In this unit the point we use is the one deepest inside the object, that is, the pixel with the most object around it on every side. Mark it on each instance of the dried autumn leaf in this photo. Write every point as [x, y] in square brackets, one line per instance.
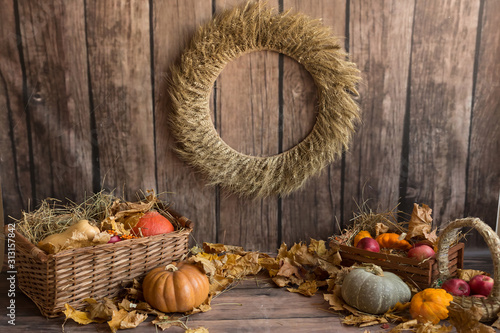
[398, 312]
[335, 299]
[496, 324]
[197, 330]
[420, 222]
[294, 274]
[205, 262]
[271, 265]
[467, 274]
[318, 247]
[221, 248]
[110, 223]
[165, 322]
[121, 210]
[415, 326]
[432, 236]
[100, 311]
[381, 228]
[133, 291]
[308, 288]
[80, 317]
[122, 319]
[363, 320]
[467, 320]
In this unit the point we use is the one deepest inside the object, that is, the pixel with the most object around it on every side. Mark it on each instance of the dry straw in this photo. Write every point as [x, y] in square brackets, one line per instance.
[236, 32]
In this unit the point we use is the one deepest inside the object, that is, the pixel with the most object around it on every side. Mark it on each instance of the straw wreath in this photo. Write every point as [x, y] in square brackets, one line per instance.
[229, 35]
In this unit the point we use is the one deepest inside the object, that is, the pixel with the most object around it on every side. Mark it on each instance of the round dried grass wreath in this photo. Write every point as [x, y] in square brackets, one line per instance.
[250, 28]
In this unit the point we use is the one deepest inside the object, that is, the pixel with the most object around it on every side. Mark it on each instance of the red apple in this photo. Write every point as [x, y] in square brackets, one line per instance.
[368, 244]
[114, 239]
[421, 252]
[457, 287]
[481, 285]
[480, 296]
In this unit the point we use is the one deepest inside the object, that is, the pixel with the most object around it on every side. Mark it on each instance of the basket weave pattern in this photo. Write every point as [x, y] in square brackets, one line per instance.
[51, 280]
[490, 305]
[419, 274]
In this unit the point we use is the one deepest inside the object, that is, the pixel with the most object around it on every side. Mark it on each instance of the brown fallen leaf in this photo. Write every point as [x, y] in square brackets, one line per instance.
[467, 320]
[222, 248]
[122, 319]
[363, 320]
[308, 288]
[496, 324]
[100, 311]
[467, 274]
[80, 317]
[414, 326]
[165, 322]
[335, 299]
[381, 228]
[420, 222]
[197, 330]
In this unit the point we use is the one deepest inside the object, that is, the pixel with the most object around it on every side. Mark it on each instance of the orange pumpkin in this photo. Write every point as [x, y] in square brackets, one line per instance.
[362, 234]
[178, 287]
[391, 240]
[152, 223]
[430, 305]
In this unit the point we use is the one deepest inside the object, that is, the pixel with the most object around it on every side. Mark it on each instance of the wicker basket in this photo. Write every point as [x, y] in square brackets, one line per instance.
[419, 274]
[51, 280]
[490, 305]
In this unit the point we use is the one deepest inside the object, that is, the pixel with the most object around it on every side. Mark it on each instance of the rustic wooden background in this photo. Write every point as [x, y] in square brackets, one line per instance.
[82, 107]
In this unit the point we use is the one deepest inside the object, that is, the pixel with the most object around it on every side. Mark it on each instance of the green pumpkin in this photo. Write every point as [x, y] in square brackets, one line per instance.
[371, 290]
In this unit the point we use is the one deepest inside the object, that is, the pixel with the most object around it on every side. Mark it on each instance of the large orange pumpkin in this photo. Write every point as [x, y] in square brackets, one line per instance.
[430, 305]
[178, 287]
[391, 241]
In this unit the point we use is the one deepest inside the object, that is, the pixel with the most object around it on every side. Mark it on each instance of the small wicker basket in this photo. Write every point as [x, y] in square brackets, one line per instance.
[490, 305]
[70, 276]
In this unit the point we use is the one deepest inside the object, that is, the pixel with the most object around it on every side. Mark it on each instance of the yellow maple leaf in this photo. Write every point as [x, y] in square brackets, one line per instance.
[308, 288]
[122, 320]
[80, 317]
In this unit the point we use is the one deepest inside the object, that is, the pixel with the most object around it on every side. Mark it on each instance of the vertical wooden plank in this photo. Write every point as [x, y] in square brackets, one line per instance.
[380, 44]
[444, 40]
[483, 178]
[14, 162]
[118, 38]
[174, 22]
[314, 210]
[247, 117]
[53, 42]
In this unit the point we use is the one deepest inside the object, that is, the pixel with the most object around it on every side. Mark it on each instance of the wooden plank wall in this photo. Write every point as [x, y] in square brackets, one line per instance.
[83, 107]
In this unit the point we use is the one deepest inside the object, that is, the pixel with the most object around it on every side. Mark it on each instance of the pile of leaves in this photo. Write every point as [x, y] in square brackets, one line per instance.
[303, 268]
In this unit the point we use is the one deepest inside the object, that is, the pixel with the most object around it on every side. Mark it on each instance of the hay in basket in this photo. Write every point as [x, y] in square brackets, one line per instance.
[72, 275]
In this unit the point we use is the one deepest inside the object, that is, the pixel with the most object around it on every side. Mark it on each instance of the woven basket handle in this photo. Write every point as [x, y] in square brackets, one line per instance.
[491, 238]
[29, 247]
[184, 221]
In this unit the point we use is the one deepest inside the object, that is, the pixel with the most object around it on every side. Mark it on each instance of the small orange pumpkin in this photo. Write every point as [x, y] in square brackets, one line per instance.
[362, 234]
[178, 287]
[391, 241]
[430, 305]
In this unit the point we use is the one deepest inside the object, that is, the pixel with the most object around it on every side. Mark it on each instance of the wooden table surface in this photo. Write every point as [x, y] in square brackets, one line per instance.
[254, 305]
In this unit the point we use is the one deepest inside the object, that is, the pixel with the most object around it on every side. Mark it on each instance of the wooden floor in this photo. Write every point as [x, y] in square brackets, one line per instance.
[254, 305]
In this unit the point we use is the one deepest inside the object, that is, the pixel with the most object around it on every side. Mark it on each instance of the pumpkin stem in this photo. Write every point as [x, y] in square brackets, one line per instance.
[372, 268]
[171, 268]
